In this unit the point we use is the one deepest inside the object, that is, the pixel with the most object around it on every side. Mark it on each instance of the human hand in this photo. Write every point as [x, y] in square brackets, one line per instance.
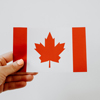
[9, 77]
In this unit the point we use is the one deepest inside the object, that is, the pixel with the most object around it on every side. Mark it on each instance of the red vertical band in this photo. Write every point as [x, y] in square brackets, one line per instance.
[20, 45]
[79, 50]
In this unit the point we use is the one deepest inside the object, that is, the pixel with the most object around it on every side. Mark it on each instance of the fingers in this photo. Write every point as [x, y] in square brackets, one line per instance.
[14, 85]
[19, 78]
[2, 61]
[1, 88]
[8, 56]
[11, 68]
[25, 73]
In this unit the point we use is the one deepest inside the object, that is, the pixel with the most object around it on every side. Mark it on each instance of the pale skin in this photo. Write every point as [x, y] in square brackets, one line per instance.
[9, 77]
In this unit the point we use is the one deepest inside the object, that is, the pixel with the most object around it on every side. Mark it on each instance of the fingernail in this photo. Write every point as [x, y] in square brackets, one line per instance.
[36, 73]
[29, 77]
[20, 62]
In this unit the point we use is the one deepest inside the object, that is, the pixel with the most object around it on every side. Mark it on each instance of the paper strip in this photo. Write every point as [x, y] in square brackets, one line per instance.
[20, 45]
[79, 49]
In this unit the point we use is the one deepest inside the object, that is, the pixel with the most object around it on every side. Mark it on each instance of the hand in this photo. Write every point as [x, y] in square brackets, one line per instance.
[8, 78]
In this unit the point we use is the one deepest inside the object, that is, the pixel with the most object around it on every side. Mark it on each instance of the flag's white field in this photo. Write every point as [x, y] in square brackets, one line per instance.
[62, 35]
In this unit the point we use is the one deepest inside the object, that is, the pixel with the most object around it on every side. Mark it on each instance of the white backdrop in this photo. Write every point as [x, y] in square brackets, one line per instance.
[55, 14]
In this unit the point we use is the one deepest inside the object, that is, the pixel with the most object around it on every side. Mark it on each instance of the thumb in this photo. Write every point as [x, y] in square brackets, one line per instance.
[13, 67]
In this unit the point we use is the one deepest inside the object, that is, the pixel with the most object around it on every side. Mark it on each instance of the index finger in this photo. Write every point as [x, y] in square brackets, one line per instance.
[8, 56]
[24, 73]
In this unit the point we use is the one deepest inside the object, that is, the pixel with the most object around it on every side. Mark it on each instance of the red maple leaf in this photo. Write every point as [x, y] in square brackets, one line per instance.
[49, 52]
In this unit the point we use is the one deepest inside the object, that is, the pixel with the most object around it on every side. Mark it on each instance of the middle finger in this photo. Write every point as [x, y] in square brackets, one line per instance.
[19, 78]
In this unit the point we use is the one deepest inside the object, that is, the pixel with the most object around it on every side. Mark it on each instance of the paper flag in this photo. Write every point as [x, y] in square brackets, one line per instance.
[38, 47]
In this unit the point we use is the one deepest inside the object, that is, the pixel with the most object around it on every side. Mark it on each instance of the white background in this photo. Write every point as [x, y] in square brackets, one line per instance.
[62, 35]
[55, 14]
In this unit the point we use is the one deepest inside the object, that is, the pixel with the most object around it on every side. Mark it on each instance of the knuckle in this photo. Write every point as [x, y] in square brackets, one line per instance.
[2, 78]
[9, 79]
[14, 66]
[2, 74]
[1, 59]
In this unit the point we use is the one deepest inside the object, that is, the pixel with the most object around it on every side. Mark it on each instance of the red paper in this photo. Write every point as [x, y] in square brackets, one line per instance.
[79, 49]
[20, 45]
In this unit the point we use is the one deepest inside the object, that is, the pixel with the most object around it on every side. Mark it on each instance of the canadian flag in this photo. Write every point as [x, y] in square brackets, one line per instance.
[51, 50]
